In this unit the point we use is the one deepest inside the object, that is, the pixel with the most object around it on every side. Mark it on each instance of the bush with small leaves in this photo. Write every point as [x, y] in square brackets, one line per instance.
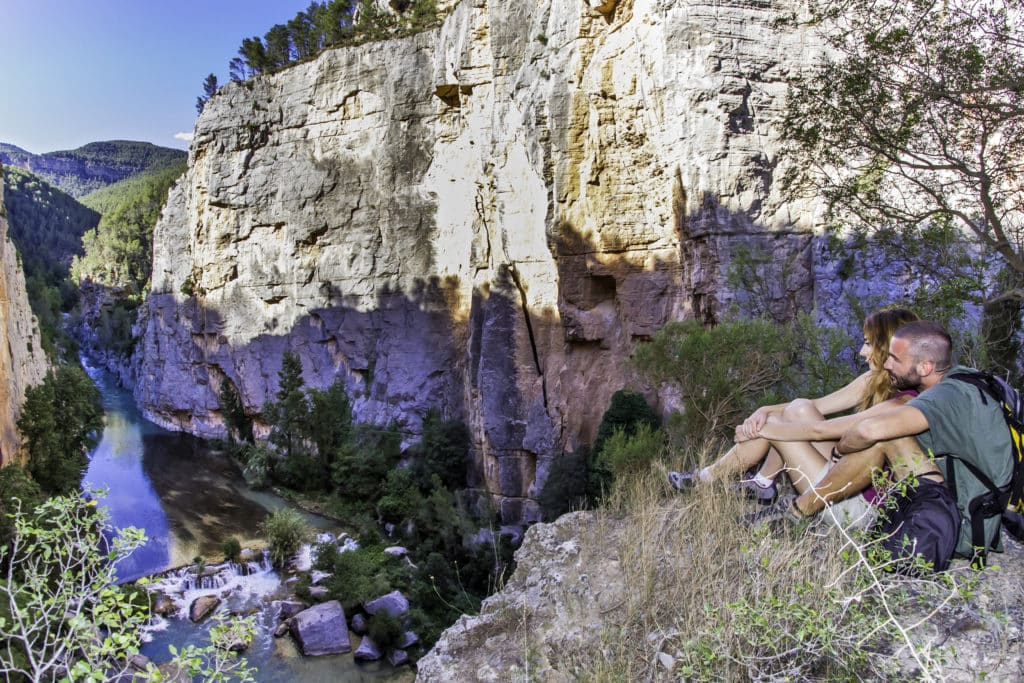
[231, 548]
[285, 531]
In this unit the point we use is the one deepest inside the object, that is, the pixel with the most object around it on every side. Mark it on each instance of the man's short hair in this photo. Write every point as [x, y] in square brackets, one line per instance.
[928, 341]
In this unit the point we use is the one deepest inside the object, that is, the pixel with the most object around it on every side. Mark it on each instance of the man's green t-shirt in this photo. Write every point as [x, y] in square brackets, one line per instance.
[960, 424]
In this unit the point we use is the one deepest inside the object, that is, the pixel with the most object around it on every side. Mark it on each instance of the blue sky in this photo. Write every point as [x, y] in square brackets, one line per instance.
[79, 71]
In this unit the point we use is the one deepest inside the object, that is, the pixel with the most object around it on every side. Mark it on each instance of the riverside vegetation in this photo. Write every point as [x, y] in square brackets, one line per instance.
[317, 455]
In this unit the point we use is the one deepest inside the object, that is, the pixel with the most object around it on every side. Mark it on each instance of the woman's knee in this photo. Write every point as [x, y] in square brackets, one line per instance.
[801, 410]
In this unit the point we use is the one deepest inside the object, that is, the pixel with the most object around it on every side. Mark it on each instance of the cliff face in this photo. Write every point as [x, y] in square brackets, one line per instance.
[486, 217]
[22, 361]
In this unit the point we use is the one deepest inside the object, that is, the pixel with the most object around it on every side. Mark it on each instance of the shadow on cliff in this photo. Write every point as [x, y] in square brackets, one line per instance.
[532, 379]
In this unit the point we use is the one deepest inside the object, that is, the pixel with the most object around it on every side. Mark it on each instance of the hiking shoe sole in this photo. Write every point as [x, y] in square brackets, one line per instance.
[682, 481]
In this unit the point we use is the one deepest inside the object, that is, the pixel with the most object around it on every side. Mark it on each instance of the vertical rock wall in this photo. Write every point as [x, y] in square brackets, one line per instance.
[22, 361]
[484, 218]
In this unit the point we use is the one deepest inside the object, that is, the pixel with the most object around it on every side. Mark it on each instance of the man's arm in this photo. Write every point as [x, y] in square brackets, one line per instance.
[892, 424]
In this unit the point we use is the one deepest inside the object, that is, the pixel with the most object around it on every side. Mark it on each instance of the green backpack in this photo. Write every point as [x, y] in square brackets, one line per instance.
[1006, 501]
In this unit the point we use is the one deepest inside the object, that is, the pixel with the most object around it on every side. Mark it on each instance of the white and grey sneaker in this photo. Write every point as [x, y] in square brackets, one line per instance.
[764, 495]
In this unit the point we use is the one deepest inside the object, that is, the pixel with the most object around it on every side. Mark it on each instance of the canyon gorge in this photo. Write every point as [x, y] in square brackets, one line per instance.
[484, 218]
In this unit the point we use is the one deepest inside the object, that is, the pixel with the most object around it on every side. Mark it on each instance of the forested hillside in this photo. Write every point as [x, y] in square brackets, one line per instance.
[116, 253]
[46, 225]
[92, 166]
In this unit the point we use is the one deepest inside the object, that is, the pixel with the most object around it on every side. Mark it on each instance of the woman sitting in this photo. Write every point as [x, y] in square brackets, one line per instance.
[796, 437]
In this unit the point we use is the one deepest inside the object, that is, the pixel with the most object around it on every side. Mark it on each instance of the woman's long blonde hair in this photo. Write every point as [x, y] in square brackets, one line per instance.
[878, 330]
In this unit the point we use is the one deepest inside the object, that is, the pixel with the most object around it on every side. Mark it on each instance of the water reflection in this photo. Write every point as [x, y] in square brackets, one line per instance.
[186, 498]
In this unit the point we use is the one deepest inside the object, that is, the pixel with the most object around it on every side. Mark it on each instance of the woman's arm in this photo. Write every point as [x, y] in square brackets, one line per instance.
[845, 398]
[826, 430]
[836, 402]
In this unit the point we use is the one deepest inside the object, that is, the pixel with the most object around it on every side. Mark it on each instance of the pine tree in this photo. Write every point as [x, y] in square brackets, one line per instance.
[209, 90]
[290, 415]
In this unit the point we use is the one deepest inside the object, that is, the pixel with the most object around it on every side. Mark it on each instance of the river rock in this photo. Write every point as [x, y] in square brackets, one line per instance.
[289, 608]
[398, 657]
[318, 592]
[322, 630]
[359, 624]
[367, 651]
[408, 639]
[397, 551]
[202, 606]
[163, 605]
[394, 603]
[282, 628]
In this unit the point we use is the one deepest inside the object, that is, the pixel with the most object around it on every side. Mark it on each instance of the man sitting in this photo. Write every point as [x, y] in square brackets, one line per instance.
[949, 417]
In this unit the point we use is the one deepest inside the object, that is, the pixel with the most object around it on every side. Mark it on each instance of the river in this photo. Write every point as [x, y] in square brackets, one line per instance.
[189, 499]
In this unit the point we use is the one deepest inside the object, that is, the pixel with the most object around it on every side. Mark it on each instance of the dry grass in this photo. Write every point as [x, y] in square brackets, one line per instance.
[712, 599]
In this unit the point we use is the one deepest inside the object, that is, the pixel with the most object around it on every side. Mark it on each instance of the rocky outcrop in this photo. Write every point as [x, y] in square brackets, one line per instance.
[485, 218]
[578, 586]
[202, 606]
[22, 361]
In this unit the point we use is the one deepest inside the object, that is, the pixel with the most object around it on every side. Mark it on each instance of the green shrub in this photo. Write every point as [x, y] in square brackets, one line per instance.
[59, 423]
[362, 464]
[722, 373]
[565, 489]
[285, 531]
[18, 493]
[231, 548]
[358, 575]
[627, 411]
[300, 472]
[258, 461]
[443, 450]
[623, 455]
[401, 497]
[385, 630]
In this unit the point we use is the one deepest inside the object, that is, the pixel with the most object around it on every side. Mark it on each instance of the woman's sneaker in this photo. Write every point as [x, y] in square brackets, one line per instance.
[682, 481]
[764, 495]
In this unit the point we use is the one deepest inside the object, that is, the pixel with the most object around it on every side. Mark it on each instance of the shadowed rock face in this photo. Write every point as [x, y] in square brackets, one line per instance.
[22, 361]
[485, 218]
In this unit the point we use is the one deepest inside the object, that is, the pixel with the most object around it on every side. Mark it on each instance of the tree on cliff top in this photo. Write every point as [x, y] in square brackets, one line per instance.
[916, 119]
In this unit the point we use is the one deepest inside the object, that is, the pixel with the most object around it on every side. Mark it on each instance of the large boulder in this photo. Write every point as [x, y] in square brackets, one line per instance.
[394, 603]
[322, 630]
[202, 606]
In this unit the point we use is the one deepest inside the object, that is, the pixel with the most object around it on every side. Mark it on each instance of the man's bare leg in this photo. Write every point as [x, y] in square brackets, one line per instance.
[853, 472]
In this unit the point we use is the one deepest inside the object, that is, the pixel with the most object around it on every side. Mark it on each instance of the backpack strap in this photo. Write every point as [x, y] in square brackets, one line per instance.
[981, 508]
[1009, 402]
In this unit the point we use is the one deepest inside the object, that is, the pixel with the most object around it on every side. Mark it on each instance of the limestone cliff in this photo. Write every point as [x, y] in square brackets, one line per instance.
[485, 217]
[22, 361]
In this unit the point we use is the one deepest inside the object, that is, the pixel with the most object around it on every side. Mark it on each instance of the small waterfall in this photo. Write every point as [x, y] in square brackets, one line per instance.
[242, 586]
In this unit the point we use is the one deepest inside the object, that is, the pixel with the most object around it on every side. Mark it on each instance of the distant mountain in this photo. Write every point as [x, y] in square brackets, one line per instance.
[93, 166]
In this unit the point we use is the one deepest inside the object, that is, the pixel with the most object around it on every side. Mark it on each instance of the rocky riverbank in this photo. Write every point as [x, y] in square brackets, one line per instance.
[289, 605]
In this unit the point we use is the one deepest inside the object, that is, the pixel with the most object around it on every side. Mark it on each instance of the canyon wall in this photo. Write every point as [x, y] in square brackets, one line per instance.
[22, 361]
[484, 218]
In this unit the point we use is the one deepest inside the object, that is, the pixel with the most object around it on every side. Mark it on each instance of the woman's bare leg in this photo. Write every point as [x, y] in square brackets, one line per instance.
[740, 458]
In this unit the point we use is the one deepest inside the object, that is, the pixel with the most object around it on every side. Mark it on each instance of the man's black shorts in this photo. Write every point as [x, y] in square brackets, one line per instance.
[924, 522]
